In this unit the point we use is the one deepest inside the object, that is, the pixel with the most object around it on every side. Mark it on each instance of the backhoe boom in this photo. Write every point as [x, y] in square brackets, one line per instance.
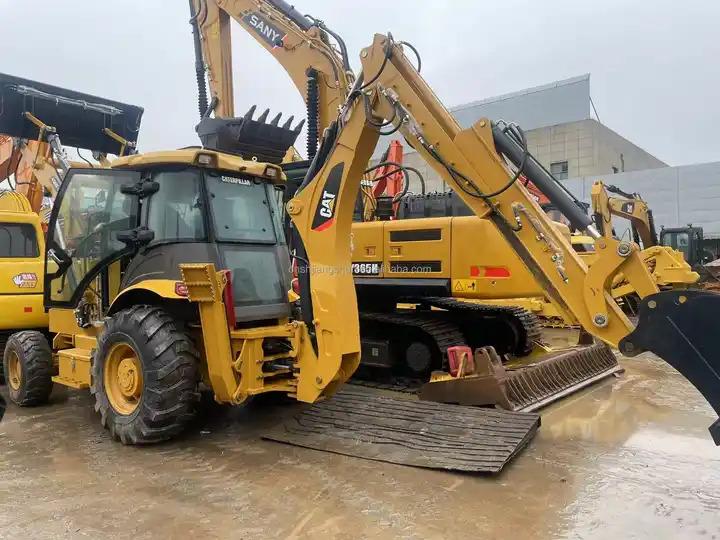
[470, 162]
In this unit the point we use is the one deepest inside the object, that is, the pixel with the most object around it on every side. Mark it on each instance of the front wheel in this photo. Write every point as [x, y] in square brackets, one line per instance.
[145, 376]
[28, 368]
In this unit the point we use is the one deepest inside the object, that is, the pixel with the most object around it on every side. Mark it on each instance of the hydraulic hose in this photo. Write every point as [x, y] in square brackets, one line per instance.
[313, 112]
[203, 104]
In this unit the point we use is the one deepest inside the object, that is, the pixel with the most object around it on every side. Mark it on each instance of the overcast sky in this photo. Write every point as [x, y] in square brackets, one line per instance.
[655, 64]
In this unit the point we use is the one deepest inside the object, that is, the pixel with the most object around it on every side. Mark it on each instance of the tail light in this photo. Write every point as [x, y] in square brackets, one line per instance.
[295, 282]
[181, 289]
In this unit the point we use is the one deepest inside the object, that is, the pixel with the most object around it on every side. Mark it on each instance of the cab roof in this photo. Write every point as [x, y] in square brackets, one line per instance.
[203, 158]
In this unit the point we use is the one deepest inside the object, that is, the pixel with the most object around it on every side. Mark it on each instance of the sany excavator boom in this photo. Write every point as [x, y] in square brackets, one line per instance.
[678, 326]
[299, 43]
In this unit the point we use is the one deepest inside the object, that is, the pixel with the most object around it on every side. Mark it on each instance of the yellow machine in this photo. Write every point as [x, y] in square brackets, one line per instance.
[22, 258]
[628, 206]
[494, 276]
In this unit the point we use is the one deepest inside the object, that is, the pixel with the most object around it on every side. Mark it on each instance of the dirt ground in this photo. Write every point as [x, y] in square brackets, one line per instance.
[629, 458]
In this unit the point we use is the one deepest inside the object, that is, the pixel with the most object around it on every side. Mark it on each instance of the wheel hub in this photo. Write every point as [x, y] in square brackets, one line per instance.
[14, 375]
[128, 378]
[123, 379]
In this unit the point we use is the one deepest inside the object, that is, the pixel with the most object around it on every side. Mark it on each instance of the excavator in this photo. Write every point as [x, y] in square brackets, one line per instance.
[497, 276]
[151, 290]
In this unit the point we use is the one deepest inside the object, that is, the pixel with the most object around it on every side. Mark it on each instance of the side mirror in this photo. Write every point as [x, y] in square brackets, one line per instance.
[136, 238]
[141, 189]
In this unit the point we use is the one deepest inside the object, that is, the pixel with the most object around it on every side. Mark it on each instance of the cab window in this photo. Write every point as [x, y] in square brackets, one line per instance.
[176, 210]
[244, 209]
[17, 241]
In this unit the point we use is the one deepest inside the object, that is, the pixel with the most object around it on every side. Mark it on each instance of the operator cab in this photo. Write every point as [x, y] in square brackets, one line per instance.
[113, 229]
[690, 241]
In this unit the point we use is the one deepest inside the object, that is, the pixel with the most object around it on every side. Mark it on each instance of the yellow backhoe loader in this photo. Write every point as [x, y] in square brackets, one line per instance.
[22, 257]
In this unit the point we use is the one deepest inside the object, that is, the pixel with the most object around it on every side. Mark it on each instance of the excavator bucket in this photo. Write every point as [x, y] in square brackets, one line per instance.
[81, 120]
[249, 138]
[524, 386]
[681, 327]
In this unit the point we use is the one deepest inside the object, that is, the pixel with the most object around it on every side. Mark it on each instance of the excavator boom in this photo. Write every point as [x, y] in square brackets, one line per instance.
[301, 44]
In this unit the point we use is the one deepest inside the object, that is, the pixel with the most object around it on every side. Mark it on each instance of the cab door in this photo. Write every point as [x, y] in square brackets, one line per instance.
[90, 210]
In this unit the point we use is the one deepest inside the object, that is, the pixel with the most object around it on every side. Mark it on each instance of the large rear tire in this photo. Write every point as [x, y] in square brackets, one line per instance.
[3, 340]
[28, 368]
[145, 376]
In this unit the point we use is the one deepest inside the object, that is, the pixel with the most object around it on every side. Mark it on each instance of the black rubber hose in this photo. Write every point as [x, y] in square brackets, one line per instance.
[203, 104]
[313, 113]
[291, 13]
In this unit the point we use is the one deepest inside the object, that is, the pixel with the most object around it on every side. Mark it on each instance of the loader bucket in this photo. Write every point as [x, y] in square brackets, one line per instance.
[525, 387]
[79, 119]
[249, 138]
[681, 327]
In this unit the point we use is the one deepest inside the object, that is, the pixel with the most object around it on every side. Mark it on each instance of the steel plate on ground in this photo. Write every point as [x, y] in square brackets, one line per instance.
[409, 432]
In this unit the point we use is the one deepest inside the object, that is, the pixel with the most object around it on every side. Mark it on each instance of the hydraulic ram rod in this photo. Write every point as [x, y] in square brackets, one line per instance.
[543, 180]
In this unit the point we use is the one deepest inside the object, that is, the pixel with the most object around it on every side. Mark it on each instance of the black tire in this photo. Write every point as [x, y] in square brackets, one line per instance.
[3, 340]
[169, 363]
[36, 368]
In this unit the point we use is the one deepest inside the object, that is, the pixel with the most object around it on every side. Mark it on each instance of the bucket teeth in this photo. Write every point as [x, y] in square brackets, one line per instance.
[263, 117]
[276, 120]
[525, 388]
[251, 112]
[289, 122]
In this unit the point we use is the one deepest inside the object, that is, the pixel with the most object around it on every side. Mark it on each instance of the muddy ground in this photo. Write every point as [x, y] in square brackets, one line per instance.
[629, 458]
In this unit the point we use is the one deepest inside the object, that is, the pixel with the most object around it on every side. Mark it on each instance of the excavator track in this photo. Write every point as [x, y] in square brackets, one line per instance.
[445, 334]
[521, 384]
[525, 328]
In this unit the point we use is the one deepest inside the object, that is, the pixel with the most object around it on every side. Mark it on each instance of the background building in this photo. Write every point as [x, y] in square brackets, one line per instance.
[677, 196]
[560, 131]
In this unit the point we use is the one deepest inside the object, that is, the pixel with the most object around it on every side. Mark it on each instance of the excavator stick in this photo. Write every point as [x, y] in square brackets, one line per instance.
[681, 327]
[522, 387]
[82, 120]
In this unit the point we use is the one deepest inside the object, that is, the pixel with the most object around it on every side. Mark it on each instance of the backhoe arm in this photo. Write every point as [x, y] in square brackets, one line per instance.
[300, 44]
[630, 207]
[473, 163]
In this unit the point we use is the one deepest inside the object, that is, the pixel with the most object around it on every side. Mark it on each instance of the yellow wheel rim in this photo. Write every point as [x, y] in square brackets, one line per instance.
[14, 375]
[123, 379]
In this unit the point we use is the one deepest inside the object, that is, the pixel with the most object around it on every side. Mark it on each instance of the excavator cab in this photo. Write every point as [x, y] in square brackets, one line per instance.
[689, 240]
